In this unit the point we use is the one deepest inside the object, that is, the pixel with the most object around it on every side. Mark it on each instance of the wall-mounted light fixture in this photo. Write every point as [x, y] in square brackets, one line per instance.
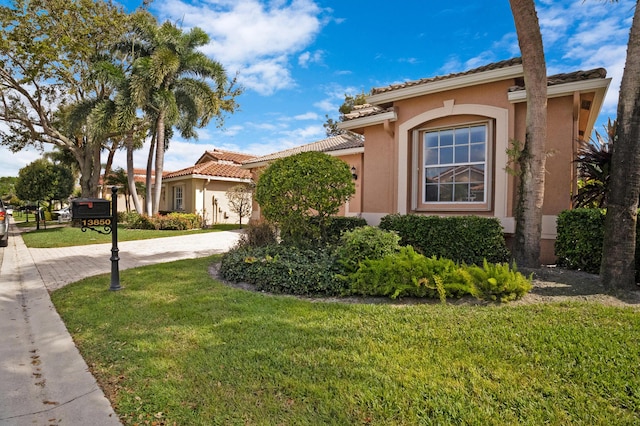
[353, 173]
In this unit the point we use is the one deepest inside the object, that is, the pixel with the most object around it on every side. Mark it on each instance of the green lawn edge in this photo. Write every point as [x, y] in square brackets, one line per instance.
[179, 347]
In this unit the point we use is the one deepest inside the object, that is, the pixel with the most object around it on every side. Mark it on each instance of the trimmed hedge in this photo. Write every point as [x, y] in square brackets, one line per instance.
[171, 221]
[580, 234]
[284, 269]
[580, 237]
[463, 239]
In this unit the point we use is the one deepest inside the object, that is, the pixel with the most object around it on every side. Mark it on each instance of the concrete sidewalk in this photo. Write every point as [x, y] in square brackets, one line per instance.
[43, 378]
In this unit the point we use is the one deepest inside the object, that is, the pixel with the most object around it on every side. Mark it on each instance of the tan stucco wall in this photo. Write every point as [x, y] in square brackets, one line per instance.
[389, 163]
[199, 195]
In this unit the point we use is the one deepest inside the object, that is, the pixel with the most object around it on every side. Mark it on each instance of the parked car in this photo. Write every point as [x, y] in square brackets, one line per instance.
[4, 225]
[9, 209]
[61, 214]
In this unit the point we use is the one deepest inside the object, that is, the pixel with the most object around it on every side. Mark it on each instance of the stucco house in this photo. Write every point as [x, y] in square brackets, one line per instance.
[202, 187]
[438, 146]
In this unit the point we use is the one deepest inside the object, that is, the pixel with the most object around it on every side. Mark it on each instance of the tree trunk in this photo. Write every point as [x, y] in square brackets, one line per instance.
[157, 189]
[131, 182]
[87, 158]
[107, 168]
[148, 196]
[618, 253]
[533, 159]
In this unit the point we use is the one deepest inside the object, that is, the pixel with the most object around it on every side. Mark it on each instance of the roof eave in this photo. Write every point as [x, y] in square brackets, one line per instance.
[334, 153]
[206, 177]
[371, 120]
[452, 83]
[557, 90]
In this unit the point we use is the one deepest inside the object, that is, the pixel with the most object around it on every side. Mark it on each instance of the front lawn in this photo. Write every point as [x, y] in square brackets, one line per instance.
[66, 235]
[188, 350]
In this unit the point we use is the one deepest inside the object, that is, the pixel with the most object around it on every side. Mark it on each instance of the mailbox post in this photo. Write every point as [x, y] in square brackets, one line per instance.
[96, 212]
[115, 270]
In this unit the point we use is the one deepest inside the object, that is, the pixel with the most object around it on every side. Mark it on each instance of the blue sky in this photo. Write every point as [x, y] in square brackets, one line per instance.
[296, 59]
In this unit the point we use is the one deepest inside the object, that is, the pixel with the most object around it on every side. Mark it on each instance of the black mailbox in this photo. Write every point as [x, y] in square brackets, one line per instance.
[91, 208]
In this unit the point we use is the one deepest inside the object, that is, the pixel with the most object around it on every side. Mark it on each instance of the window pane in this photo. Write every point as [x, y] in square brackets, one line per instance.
[446, 174]
[478, 133]
[446, 138]
[462, 154]
[462, 174]
[432, 193]
[433, 173]
[477, 152]
[431, 156]
[462, 136]
[446, 155]
[461, 192]
[431, 139]
[455, 164]
[446, 192]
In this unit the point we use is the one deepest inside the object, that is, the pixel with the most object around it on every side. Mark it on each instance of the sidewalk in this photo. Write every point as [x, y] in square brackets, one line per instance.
[43, 378]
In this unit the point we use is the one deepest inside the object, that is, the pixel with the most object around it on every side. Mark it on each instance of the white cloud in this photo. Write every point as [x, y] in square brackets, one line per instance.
[307, 58]
[253, 37]
[307, 116]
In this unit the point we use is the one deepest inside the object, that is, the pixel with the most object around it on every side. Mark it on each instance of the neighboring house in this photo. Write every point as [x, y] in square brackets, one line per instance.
[439, 145]
[202, 188]
[349, 147]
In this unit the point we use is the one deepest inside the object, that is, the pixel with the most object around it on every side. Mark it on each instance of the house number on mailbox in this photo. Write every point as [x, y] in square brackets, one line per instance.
[96, 222]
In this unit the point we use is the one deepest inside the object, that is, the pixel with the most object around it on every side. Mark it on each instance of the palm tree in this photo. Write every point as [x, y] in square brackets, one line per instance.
[532, 160]
[171, 83]
[618, 254]
[594, 167]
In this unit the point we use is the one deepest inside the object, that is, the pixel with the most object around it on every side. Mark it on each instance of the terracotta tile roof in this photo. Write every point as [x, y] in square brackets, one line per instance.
[334, 143]
[367, 110]
[570, 77]
[226, 156]
[213, 169]
[489, 67]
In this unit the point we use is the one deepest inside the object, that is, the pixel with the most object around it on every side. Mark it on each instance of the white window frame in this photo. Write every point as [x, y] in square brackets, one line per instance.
[178, 198]
[419, 180]
[441, 163]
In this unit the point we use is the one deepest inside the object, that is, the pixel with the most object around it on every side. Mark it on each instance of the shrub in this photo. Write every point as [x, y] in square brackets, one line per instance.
[283, 269]
[258, 234]
[498, 282]
[580, 234]
[170, 221]
[337, 225]
[366, 242]
[294, 188]
[177, 221]
[408, 273]
[464, 239]
[134, 220]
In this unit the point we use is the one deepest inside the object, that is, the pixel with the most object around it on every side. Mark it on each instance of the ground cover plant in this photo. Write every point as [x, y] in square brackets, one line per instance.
[367, 261]
[66, 236]
[190, 350]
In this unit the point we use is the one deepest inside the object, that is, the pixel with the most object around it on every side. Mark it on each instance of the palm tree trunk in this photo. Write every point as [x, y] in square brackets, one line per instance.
[618, 253]
[157, 189]
[107, 167]
[131, 182]
[148, 198]
[533, 158]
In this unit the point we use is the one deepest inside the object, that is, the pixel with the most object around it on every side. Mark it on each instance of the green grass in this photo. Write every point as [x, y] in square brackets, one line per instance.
[188, 350]
[67, 235]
